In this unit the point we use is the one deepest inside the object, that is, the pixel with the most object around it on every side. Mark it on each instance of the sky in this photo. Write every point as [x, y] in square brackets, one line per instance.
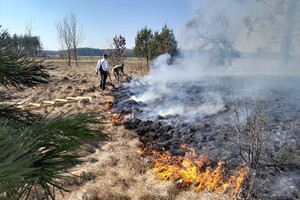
[100, 20]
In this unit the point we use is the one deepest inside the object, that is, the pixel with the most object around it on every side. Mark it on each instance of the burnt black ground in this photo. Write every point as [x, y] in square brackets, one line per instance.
[278, 173]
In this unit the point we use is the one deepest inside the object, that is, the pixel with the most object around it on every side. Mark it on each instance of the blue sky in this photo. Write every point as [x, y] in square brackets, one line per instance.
[101, 20]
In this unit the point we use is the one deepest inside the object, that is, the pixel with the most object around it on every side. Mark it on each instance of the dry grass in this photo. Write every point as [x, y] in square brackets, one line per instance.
[113, 169]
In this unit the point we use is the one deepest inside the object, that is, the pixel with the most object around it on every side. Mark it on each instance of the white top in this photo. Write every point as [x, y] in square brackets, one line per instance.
[105, 65]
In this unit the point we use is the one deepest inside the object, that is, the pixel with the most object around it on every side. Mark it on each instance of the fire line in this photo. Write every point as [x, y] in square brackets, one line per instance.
[196, 172]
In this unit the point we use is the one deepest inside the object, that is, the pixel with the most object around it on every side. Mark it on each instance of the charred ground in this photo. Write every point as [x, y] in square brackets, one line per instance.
[277, 173]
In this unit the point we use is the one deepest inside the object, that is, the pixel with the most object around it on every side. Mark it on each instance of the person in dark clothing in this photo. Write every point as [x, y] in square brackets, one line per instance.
[103, 67]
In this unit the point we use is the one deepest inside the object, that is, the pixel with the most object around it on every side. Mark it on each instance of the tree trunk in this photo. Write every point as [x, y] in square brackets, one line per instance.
[69, 57]
[288, 29]
[147, 62]
[75, 56]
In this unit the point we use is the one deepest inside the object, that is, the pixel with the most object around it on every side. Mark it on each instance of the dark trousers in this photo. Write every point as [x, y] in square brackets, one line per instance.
[103, 80]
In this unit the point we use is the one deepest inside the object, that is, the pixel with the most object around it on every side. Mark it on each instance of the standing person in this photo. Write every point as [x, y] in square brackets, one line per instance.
[103, 67]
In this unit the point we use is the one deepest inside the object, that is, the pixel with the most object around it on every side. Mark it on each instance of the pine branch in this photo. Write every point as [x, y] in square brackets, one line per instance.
[38, 156]
[16, 117]
[17, 69]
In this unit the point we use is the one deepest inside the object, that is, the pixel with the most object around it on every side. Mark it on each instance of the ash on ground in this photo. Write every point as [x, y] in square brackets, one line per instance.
[200, 114]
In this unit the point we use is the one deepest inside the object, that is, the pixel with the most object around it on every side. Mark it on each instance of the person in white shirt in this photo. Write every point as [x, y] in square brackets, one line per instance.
[103, 67]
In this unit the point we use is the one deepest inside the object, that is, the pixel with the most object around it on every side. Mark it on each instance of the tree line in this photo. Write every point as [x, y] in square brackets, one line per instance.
[212, 32]
[70, 35]
[29, 44]
[86, 51]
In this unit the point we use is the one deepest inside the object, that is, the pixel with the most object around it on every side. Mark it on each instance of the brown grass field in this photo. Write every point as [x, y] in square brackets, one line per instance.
[112, 169]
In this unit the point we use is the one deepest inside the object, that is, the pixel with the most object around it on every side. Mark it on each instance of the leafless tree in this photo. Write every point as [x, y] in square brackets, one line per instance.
[76, 35]
[63, 37]
[213, 34]
[69, 36]
[28, 43]
[29, 29]
[119, 43]
[279, 25]
[249, 126]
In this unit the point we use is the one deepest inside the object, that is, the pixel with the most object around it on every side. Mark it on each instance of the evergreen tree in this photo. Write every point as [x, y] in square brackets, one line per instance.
[30, 45]
[149, 45]
[164, 42]
[155, 45]
[142, 43]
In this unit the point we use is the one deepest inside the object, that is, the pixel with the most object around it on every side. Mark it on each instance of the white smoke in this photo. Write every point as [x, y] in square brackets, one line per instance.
[168, 90]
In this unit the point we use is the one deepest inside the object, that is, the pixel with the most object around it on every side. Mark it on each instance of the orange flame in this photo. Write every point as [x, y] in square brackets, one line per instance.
[196, 171]
[108, 105]
[116, 118]
[119, 118]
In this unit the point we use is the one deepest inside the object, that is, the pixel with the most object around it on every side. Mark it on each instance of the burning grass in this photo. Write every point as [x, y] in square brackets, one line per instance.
[120, 118]
[114, 169]
[196, 172]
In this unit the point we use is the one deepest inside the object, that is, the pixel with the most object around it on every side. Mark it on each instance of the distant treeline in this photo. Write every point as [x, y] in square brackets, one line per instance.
[88, 52]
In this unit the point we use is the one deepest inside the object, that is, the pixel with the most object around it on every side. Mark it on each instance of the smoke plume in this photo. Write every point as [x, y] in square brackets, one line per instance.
[250, 72]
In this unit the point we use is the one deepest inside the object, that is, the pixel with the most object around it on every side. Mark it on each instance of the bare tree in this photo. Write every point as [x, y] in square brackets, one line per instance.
[29, 29]
[69, 36]
[76, 35]
[213, 34]
[32, 44]
[249, 126]
[279, 25]
[63, 37]
[119, 43]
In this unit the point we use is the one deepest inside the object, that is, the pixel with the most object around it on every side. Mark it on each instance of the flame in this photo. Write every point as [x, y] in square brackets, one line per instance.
[116, 118]
[108, 105]
[196, 171]
[119, 118]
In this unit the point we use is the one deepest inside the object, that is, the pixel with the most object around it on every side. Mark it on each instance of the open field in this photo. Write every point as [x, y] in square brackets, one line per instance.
[113, 169]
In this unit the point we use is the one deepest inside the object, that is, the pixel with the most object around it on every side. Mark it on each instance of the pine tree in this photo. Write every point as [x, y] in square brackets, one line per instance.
[142, 43]
[34, 151]
[168, 43]
[164, 42]
[150, 45]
